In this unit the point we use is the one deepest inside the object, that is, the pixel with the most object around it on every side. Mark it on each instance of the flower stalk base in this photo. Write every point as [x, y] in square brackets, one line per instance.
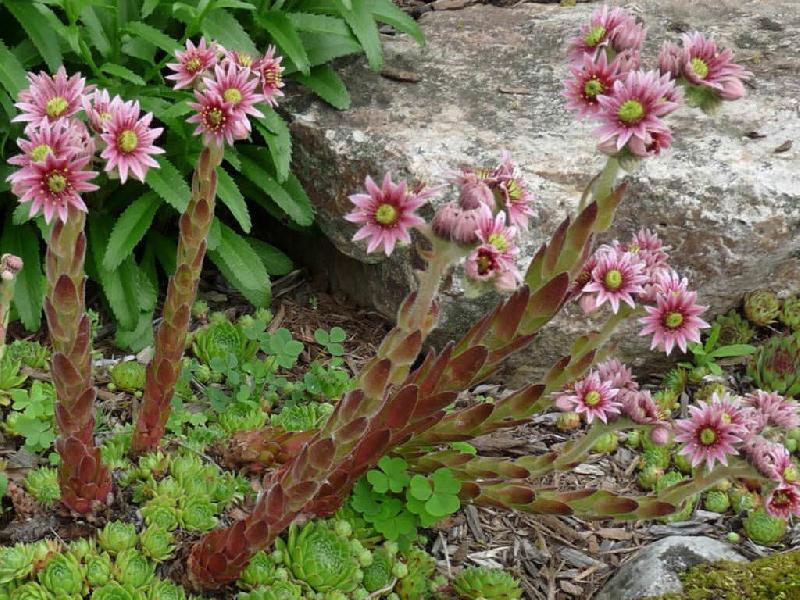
[170, 340]
[10, 265]
[84, 481]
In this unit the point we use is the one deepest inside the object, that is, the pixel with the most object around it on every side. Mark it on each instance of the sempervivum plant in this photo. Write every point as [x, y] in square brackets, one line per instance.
[31, 591]
[128, 376]
[116, 537]
[220, 338]
[763, 529]
[260, 571]
[97, 568]
[42, 484]
[776, 365]
[761, 307]
[197, 513]
[790, 313]
[302, 417]
[418, 583]
[733, 329]
[281, 590]
[156, 543]
[115, 591]
[320, 557]
[16, 562]
[379, 574]
[63, 577]
[132, 569]
[161, 589]
[484, 583]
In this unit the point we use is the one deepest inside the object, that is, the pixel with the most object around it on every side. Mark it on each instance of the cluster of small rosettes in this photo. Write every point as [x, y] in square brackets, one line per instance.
[728, 426]
[637, 272]
[54, 167]
[228, 85]
[608, 83]
[493, 205]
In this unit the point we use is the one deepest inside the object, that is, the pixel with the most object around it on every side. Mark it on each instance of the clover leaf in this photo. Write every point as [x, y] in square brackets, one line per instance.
[331, 341]
[285, 349]
[393, 475]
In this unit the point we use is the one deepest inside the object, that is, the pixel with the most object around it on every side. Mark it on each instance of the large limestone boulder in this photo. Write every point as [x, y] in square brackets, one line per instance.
[726, 197]
[656, 569]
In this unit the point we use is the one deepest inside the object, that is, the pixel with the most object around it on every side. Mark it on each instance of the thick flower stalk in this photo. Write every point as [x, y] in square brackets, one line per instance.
[227, 91]
[10, 265]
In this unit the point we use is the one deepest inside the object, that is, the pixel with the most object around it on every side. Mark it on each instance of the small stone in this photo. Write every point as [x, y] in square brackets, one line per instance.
[655, 569]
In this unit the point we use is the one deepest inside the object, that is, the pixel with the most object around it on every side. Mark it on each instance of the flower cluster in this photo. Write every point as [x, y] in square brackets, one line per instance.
[227, 87]
[54, 168]
[493, 206]
[727, 426]
[638, 270]
[607, 83]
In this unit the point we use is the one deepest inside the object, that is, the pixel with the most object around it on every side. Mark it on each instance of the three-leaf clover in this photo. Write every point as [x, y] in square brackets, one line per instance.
[393, 475]
[434, 497]
[38, 434]
[331, 341]
[285, 349]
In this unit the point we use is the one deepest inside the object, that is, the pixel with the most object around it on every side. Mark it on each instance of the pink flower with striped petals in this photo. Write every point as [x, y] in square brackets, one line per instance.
[617, 277]
[217, 121]
[776, 410]
[236, 85]
[783, 502]
[386, 214]
[54, 184]
[706, 66]
[270, 73]
[49, 99]
[192, 62]
[615, 28]
[590, 78]
[674, 321]
[707, 436]
[97, 108]
[593, 398]
[129, 140]
[57, 139]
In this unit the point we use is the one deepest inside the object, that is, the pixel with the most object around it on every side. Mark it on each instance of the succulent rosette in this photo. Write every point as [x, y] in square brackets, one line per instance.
[281, 590]
[115, 591]
[379, 574]
[63, 576]
[321, 558]
[97, 568]
[83, 548]
[116, 537]
[197, 514]
[42, 484]
[161, 589]
[484, 583]
[128, 376]
[31, 591]
[775, 366]
[260, 571]
[132, 569]
[16, 562]
[159, 515]
[156, 543]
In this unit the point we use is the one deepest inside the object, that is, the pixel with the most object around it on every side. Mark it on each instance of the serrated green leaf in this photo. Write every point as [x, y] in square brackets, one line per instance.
[275, 261]
[319, 23]
[148, 6]
[168, 183]
[165, 251]
[241, 266]
[324, 47]
[279, 144]
[97, 35]
[130, 228]
[23, 241]
[120, 285]
[29, 16]
[234, 4]
[297, 208]
[12, 73]
[301, 199]
[285, 36]
[122, 72]
[214, 235]
[388, 12]
[138, 338]
[229, 194]
[360, 20]
[153, 35]
[223, 27]
[326, 84]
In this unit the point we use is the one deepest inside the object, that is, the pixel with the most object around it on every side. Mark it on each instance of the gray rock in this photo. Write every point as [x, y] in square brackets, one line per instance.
[490, 79]
[655, 569]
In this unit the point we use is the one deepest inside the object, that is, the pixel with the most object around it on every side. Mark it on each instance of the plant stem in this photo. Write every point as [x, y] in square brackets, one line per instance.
[164, 370]
[678, 493]
[602, 186]
[443, 255]
[84, 480]
[10, 265]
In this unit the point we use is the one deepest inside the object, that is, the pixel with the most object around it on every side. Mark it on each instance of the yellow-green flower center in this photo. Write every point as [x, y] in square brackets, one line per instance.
[105, 117]
[592, 398]
[592, 88]
[673, 320]
[484, 262]
[40, 152]
[595, 35]
[193, 64]
[499, 241]
[699, 67]
[232, 95]
[514, 189]
[613, 279]
[386, 215]
[272, 77]
[55, 106]
[214, 118]
[790, 474]
[128, 140]
[708, 436]
[245, 59]
[56, 183]
[631, 111]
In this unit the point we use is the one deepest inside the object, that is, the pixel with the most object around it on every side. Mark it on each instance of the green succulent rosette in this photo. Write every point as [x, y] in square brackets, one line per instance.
[484, 583]
[115, 591]
[16, 562]
[790, 313]
[775, 367]
[321, 558]
[186, 467]
[242, 417]
[159, 515]
[379, 574]
[63, 576]
[114, 451]
[302, 417]
[761, 307]
[165, 590]
[97, 568]
[42, 484]
[156, 543]
[733, 329]
[168, 490]
[281, 590]
[155, 463]
[221, 338]
[764, 529]
[418, 581]
[28, 353]
[197, 514]
[82, 548]
[128, 376]
[260, 571]
[133, 570]
[31, 591]
[116, 537]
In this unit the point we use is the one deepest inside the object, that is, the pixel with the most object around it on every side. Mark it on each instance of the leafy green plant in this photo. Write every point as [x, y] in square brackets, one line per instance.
[704, 356]
[485, 583]
[331, 340]
[32, 416]
[123, 47]
[42, 484]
